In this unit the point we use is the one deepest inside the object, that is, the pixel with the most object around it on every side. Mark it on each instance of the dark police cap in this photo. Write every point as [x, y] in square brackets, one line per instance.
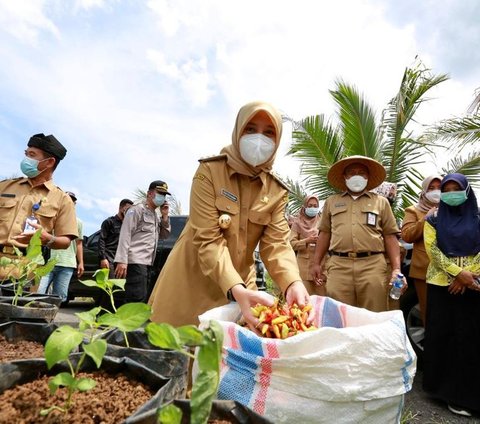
[160, 186]
[49, 144]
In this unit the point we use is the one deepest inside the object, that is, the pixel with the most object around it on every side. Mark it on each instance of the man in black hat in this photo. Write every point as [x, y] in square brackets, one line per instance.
[137, 245]
[37, 198]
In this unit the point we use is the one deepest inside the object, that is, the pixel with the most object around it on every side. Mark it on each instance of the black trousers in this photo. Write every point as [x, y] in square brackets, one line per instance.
[137, 281]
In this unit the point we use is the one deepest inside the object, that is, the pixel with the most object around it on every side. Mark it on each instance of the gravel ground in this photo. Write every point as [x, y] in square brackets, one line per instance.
[421, 409]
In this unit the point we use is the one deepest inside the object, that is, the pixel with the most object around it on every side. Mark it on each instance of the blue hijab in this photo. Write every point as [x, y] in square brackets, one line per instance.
[458, 227]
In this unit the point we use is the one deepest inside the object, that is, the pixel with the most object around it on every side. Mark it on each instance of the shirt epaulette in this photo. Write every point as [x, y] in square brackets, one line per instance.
[12, 179]
[212, 158]
[279, 180]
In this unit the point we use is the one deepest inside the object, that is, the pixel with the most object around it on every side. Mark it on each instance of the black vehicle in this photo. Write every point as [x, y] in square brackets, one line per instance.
[91, 261]
[164, 247]
[410, 308]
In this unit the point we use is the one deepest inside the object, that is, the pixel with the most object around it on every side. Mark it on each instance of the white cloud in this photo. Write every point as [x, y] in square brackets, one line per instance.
[140, 92]
[25, 19]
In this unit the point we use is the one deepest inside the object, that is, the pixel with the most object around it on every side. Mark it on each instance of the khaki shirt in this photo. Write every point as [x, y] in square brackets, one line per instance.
[141, 229]
[412, 232]
[357, 225]
[17, 197]
[207, 260]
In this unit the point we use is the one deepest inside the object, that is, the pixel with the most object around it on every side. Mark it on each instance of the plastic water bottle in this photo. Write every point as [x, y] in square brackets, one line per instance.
[397, 285]
[29, 228]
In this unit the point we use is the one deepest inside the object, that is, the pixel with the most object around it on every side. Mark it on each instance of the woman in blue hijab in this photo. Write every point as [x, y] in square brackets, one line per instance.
[452, 333]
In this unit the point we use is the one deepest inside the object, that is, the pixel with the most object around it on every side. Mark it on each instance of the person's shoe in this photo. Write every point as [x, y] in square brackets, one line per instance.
[459, 410]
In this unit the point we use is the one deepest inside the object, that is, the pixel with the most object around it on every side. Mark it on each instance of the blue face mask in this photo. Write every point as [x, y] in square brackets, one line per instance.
[311, 212]
[454, 198]
[29, 167]
[159, 199]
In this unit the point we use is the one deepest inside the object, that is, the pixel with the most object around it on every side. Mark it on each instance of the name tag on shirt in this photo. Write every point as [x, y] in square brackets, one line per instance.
[371, 219]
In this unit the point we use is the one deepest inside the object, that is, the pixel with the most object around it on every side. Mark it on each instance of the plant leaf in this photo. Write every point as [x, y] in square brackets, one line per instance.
[96, 350]
[163, 335]
[128, 317]
[63, 379]
[88, 318]
[203, 392]
[210, 352]
[61, 343]
[170, 414]
[84, 384]
[190, 335]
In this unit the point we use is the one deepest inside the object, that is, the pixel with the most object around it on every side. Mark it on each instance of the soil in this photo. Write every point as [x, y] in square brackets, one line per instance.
[21, 349]
[114, 398]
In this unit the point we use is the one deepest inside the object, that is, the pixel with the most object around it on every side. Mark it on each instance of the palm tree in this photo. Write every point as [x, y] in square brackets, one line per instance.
[461, 137]
[320, 142]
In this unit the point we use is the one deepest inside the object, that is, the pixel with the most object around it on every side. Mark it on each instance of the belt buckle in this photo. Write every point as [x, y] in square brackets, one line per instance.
[352, 254]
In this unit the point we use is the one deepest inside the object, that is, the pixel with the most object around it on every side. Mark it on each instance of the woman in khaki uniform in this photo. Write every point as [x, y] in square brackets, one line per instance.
[412, 232]
[303, 238]
[235, 204]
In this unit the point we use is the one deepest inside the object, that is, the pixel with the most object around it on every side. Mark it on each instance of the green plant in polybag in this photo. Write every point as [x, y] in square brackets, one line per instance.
[208, 342]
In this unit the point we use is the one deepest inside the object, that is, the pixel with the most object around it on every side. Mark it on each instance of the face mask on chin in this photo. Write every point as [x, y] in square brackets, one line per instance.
[256, 149]
[356, 184]
[433, 196]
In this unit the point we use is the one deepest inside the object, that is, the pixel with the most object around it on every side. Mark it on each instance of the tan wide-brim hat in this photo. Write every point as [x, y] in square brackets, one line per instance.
[376, 172]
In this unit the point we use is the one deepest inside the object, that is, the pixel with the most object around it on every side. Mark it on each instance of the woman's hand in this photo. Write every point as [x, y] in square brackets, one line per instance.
[247, 298]
[465, 279]
[297, 293]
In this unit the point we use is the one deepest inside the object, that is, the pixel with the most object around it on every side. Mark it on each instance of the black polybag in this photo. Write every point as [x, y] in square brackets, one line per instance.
[229, 410]
[168, 363]
[23, 371]
[15, 331]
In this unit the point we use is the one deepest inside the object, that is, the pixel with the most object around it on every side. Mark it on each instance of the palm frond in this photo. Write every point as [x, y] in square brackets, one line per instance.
[358, 122]
[296, 196]
[468, 166]
[456, 132]
[400, 150]
[317, 146]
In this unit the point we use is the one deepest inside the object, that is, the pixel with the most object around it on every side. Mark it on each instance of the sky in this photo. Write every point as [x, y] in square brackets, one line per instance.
[140, 90]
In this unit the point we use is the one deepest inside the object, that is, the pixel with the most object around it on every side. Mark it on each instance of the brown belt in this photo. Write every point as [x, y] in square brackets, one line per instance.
[354, 254]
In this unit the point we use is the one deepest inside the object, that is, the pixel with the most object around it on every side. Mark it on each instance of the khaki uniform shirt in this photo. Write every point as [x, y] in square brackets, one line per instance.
[17, 197]
[412, 232]
[357, 225]
[139, 235]
[207, 261]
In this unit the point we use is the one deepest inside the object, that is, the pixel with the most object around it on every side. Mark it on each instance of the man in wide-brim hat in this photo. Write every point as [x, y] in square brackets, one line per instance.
[357, 229]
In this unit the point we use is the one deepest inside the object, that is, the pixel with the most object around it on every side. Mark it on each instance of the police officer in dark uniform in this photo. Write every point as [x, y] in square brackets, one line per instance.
[36, 197]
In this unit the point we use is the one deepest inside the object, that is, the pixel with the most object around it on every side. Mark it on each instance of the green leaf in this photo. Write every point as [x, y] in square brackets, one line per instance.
[61, 343]
[163, 335]
[88, 318]
[41, 271]
[203, 392]
[210, 352]
[190, 335]
[63, 379]
[128, 317]
[34, 248]
[96, 350]
[85, 384]
[170, 414]
[119, 282]
[89, 283]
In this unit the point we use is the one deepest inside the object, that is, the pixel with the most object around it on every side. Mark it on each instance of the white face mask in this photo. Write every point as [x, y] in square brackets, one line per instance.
[433, 196]
[256, 149]
[356, 184]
